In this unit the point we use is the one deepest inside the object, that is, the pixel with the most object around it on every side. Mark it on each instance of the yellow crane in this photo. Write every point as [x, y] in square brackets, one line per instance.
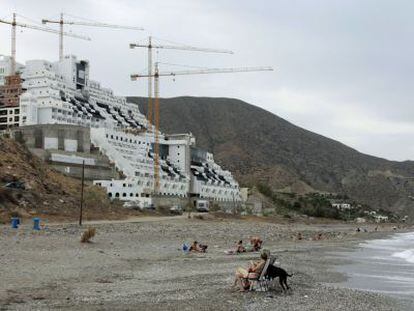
[15, 24]
[150, 46]
[63, 21]
[157, 74]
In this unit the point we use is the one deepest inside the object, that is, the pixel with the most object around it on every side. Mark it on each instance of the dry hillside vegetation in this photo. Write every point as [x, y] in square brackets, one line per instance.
[258, 146]
[47, 193]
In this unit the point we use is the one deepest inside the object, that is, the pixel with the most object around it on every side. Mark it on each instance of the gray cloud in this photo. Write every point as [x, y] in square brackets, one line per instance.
[344, 68]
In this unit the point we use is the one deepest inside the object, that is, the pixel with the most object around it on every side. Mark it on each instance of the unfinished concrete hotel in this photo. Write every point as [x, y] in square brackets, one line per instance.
[68, 118]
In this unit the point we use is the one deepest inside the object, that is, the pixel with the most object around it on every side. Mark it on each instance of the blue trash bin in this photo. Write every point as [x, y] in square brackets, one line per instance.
[15, 223]
[36, 223]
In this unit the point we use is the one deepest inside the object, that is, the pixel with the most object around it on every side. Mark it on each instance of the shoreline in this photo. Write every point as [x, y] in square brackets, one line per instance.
[138, 265]
[372, 267]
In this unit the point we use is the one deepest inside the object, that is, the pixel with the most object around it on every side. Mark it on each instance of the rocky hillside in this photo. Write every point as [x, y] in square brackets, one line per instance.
[258, 146]
[47, 193]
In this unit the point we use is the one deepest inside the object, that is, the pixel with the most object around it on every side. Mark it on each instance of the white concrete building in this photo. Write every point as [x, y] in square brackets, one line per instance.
[381, 218]
[62, 93]
[342, 206]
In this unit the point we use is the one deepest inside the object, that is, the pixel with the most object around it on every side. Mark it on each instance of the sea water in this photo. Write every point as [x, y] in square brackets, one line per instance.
[383, 265]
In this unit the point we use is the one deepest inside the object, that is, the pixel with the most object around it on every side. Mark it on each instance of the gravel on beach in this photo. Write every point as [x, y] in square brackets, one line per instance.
[140, 266]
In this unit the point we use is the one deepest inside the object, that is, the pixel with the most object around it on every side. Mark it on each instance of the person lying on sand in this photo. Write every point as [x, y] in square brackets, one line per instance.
[238, 248]
[197, 247]
[254, 269]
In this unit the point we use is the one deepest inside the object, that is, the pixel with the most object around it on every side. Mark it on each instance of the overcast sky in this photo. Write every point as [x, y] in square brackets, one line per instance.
[343, 69]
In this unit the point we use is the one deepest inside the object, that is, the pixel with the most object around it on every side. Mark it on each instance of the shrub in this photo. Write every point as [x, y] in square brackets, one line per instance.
[265, 190]
[87, 235]
[15, 214]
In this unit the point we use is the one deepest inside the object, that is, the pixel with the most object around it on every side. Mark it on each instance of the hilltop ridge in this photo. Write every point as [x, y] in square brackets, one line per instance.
[259, 146]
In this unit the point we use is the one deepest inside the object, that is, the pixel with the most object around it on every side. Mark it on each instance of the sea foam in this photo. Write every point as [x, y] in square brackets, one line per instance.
[407, 255]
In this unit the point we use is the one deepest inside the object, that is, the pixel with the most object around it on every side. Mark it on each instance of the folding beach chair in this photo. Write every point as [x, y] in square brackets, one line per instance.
[261, 281]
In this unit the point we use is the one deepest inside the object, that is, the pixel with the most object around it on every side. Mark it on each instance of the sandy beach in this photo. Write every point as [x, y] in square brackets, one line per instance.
[139, 266]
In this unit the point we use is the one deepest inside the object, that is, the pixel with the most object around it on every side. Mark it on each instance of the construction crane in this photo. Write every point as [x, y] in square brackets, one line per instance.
[14, 24]
[149, 46]
[62, 22]
[156, 77]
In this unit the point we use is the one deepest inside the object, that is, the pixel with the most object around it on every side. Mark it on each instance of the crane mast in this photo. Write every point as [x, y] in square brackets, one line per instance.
[60, 37]
[157, 127]
[13, 45]
[150, 109]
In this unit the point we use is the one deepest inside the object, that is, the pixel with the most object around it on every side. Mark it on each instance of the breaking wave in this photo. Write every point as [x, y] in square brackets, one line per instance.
[407, 255]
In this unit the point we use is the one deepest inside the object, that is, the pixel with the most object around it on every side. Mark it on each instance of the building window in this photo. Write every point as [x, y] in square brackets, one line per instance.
[110, 194]
[124, 194]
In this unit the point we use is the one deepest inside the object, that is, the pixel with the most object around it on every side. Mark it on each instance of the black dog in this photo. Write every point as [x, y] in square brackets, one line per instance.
[274, 272]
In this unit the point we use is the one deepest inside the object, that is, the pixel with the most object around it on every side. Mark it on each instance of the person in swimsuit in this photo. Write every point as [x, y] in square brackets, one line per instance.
[253, 271]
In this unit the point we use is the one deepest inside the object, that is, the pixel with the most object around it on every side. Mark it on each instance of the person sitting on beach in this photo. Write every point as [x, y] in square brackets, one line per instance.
[318, 237]
[239, 247]
[256, 243]
[254, 269]
[199, 248]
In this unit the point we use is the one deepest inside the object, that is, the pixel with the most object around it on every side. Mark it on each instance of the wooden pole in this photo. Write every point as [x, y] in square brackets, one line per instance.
[81, 202]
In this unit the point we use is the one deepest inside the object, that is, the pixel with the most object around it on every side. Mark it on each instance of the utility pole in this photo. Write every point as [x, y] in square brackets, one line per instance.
[81, 202]
[234, 206]
[190, 205]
